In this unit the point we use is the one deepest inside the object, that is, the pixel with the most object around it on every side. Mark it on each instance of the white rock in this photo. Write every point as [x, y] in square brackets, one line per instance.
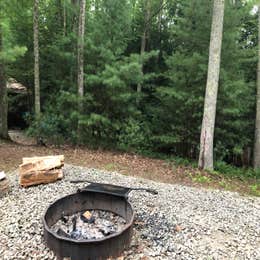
[2, 175]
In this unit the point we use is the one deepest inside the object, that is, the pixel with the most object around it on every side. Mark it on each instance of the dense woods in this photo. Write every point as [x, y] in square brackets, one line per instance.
[134, 74]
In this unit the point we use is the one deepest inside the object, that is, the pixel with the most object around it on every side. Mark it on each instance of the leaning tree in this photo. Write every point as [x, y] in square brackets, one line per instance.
[208, 123]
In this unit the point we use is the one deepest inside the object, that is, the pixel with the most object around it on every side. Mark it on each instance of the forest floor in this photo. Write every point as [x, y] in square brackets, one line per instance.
[129, 164]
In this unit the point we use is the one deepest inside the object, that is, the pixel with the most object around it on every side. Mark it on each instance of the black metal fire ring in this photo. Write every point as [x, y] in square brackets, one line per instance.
[110, 246]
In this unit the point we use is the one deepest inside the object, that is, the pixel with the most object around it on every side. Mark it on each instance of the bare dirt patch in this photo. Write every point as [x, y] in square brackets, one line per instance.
[11, 155]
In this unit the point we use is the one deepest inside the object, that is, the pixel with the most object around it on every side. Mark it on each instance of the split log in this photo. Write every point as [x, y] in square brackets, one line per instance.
[39, 177]
[39, 158]
[40, 170]
[41, 164]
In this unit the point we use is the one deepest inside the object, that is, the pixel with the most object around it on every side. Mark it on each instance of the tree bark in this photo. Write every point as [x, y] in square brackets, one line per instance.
[144, 36]
[160, 16]
[64, 17]
[208, 122]
[81, 48]
[3, 96]
[36, 58]
[257, 120]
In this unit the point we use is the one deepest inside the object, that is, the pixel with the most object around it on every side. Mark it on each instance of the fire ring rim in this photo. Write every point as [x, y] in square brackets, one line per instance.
[84, 241]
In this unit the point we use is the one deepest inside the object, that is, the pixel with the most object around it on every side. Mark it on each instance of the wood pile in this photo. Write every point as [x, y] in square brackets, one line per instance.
[40, 170]
[4, 184]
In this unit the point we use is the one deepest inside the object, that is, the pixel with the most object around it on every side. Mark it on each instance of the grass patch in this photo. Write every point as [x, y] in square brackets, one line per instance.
[110, 167]
[200, 178]
[226, 185]
[255, 189]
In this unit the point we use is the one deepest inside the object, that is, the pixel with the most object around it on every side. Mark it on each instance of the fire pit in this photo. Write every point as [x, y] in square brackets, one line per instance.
[74, 225]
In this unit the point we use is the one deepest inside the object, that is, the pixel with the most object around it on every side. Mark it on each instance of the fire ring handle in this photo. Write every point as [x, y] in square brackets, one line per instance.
[110, 189]
[152, 191]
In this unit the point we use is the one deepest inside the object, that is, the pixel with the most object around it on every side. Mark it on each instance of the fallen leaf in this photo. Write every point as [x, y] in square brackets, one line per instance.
[144, 258]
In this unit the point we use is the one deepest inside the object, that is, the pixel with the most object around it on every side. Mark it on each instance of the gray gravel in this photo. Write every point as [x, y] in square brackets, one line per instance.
[179, 223]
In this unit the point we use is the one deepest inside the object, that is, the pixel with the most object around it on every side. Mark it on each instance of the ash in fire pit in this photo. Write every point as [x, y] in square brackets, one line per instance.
[89, 224]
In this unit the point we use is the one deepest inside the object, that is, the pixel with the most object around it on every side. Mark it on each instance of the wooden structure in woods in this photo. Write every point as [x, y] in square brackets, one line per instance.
[18, 104]
[15, 87]
[39, 170]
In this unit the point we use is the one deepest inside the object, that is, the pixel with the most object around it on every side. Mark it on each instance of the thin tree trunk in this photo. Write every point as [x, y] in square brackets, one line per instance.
[81, 48]
[64, 18]
[3, 97]
[142, 50]
[60, 12]
[257, 120]
[36, 59]
[208, 123]
[160, 30]
[144, 37]
[75, 4]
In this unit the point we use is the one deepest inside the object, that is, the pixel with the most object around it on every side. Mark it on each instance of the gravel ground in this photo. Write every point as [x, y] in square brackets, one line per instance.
[179, 223]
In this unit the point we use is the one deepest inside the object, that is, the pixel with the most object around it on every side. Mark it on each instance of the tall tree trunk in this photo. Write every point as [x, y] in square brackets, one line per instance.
[257, 120]
[160, 15]
[208, 123]
[145, 36]
[36, 58]
[75, 4]
[60, 12]
[64, 17]
[81, 31]
[3, 96]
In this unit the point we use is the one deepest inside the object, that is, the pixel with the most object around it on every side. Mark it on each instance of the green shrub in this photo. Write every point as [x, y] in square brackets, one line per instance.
[243, 173]
[199, 178]
[134, 135]
[49, 128]
[255, 189]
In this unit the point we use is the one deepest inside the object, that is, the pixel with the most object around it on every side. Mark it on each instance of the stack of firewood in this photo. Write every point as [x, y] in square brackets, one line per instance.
[38, 170]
